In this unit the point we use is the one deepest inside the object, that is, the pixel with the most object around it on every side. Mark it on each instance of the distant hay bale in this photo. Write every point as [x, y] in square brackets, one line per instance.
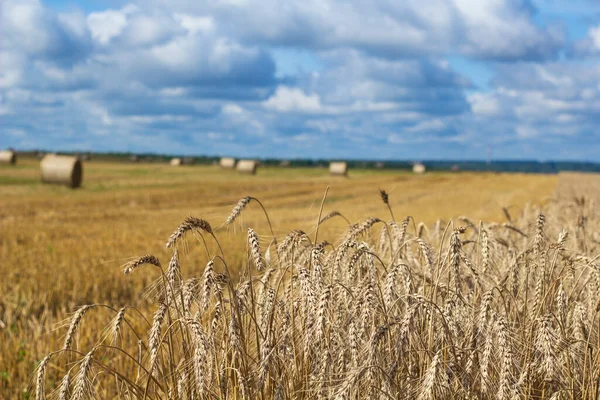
[175, 162]
[134, 158]
[188, 161]
[285, 163]
[338, 168]
[379, 165]
[63, 170]
[455, 168]
[227, 163]
[84, 156]
[419, 168]
[247, 166]
[8, 157]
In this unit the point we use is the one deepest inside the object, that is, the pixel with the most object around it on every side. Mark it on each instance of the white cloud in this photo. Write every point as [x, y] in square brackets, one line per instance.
[504, 29]
[500, 29]
[594, 35]
[435, 125]
[143, 30]
[527, 132]
[232, 109]
[74, 21]
[147, 119]
[288, 99]
[173, 91]
[590, 45]
[162, 74]
[12, 68]
[484, 104]
[106, 25]
[195, 24]
[33, 31]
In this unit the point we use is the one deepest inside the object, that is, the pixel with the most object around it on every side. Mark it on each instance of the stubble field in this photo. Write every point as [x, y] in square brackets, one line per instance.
[61, 249]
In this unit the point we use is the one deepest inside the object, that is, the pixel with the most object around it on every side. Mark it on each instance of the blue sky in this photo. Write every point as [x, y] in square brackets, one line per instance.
[377, 79]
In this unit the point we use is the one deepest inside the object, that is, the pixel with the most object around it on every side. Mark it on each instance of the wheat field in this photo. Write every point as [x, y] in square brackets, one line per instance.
[189, 283]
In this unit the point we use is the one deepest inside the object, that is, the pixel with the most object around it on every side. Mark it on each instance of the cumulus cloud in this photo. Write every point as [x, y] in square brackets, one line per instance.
[108, 24]
[543, 104]
[169, 75]
[485, 105]
[589, 45]
[32, 30]
[494, 29]
[286, 99]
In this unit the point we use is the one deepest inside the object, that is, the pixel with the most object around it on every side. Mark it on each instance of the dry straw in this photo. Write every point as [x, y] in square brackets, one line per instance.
[63, 170]
[247, 166]
[418, 168]
[8, 157]
[339, 168]
[227, 163]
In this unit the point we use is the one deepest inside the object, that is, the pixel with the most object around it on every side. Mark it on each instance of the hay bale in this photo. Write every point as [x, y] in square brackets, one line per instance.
[379, 165]
[175, 162]
[188, 161]
[84, 156]
[8, 157]
[285, 163]
[62, 170]
[134, 158]
[455, 168]
[338, 168]
[419, 168]
[247, 166]
[227, 163]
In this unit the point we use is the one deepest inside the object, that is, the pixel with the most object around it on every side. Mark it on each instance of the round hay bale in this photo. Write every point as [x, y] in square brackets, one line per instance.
[175, 162]
[338, 168]
[285, 163]
[227, 163]
[134, 158]
[8, 157]
[247, 166]
[419, 168]
[62, 170]
[379, 165]
[84, 156]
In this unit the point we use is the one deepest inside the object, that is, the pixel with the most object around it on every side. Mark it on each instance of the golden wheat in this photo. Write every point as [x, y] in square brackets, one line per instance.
[491, 311]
